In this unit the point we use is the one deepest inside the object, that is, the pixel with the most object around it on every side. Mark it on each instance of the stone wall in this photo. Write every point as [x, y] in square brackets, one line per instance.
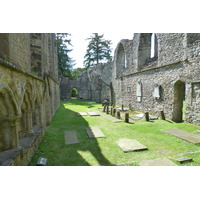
[147, 81]
[93, 84]
[172, 74]
[29, 94]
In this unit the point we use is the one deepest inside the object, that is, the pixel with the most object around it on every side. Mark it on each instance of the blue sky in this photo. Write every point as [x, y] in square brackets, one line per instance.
[80, 44]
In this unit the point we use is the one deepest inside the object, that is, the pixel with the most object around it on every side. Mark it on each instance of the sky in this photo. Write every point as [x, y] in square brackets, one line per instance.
[80, 44]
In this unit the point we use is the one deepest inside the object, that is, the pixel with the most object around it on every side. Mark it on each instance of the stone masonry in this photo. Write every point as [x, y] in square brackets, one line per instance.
[162, 81]
[29, 93]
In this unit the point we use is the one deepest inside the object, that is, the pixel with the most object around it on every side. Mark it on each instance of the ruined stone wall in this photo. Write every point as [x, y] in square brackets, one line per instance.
[93, 84]
[174, 66]
[29, 94]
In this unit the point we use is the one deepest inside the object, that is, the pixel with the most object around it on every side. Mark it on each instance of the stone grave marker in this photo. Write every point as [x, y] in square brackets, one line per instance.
[81, 113]
[128, 145]
[94, 132]
[71, 137]
[41, 162]
[195, 139]
[91, 113]
[157, 162]
[185, 159]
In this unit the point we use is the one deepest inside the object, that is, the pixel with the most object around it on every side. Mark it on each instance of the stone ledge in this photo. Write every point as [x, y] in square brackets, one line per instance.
[22, 155]
[11, 66]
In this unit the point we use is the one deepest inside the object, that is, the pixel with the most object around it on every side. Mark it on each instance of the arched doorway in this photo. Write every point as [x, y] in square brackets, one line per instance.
[179, 102]
[74, 94]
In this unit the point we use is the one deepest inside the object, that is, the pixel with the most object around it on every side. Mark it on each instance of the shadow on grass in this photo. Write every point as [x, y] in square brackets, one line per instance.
[58, 153]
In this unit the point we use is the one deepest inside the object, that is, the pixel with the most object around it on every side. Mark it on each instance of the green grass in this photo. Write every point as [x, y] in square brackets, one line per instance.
[105, 151]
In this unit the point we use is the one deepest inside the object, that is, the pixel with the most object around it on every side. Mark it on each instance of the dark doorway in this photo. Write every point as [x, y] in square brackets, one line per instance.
[179, 102]
[74, 93]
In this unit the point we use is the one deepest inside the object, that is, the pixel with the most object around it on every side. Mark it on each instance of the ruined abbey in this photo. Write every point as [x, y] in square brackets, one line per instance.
[162, 79]
[29, 93]
[147, 81]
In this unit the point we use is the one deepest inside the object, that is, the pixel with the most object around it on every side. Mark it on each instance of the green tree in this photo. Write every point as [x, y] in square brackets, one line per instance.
[98, 50]
[76, 73]
[65, 62]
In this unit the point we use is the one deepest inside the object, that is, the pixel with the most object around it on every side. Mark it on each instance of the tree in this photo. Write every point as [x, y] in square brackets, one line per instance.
[65, 62]
[98, 50]
[76, 73]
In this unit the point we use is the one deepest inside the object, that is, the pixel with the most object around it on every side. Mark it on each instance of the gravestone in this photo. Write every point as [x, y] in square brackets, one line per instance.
[94, 132]
[185, 159]
[113, 119]
[71, 137]
[82, 114]
[41, 162]
[195, 139]
[93, 113]
[128, 145]
[157, 162]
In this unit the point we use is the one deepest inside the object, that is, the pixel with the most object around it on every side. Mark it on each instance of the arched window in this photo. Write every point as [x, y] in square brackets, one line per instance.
[154, 46]
[148, 49]
[120, 60]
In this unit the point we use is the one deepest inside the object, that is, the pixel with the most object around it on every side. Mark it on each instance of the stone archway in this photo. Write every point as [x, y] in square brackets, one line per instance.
[74, 93]
[26, 128]
[9, 118]
[179, 97]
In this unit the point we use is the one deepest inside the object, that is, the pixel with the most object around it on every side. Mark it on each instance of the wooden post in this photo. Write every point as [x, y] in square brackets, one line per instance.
[118, 115]
[162, 115]
[114, 112]
[122, 107]
[146, 116]
[127, 117]
[107, 110]
[104, 109]
[111, 111]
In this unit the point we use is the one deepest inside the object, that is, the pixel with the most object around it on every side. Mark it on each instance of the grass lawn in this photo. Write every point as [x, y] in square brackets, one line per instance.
[105, 151]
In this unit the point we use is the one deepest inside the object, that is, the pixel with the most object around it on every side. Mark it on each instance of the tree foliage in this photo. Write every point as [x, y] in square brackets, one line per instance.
[76, 73]
[98, 50]
[65, 62]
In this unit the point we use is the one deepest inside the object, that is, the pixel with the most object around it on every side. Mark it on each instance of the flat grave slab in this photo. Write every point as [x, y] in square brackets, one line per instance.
[113, 119]
[94, 132]
[157, 162]
[81, 113]
[195, 139]
[41, 162]
[128, 145]
[185, 159]
[92, 113]
[71, 137]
